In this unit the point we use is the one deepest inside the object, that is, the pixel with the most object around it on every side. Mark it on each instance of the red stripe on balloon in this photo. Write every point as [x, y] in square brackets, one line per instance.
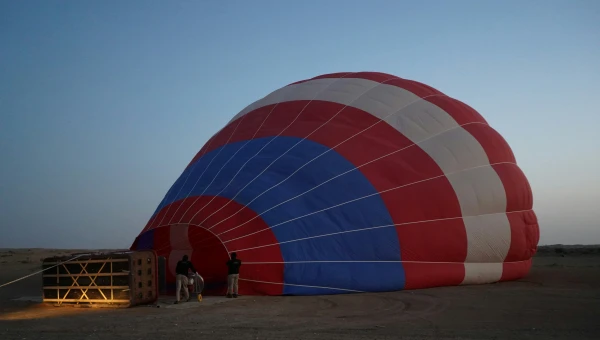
[435, 241]
[515, 270]
[524, 235]
[523, 222]
[518, 191]
[266, 273]
[494, 145]
[429, 275]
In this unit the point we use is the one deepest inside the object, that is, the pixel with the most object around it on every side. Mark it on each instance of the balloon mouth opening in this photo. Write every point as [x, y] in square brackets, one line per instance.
[209, 256]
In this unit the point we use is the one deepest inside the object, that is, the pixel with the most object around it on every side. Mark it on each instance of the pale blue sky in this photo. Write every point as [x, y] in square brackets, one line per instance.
[103, 103]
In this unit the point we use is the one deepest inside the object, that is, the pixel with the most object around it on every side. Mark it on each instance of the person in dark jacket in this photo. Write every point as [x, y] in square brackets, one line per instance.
[234, 265]
[181, 275]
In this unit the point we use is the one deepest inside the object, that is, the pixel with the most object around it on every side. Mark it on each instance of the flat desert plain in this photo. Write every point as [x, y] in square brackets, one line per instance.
[559, 299]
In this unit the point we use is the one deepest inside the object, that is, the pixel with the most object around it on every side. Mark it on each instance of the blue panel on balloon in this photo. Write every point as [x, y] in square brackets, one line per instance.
[364, 245]
[146, 240]
[363, 276]
[303, 290]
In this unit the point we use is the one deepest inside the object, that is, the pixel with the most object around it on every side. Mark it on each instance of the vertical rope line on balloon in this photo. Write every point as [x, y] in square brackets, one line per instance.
[254, 135]
[229, 252]
[376, 227]
[383, 261]
[172, 187]
[197, 162]
[268, 143]
[381, 120]
[197, 180]
[303, 139]
[249, 140]
[357, 199]
[215, 235]
[269, 114]
[314, 98]
[198, 229]
[168, 206]
[191, 170]
[299, 285]
[335, 147]
[396, 151]
[386, 117]
[359, 230]
[323, 153]
[197, 198]
[407, 223]
[356, 168]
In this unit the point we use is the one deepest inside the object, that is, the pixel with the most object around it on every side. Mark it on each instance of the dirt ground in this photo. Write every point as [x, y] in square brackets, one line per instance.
[560, 299]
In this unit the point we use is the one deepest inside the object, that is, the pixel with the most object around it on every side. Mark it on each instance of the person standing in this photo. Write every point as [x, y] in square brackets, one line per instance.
[234, 265]
[181, 275]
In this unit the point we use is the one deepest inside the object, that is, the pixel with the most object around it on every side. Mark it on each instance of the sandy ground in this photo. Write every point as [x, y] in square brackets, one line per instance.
[560, 299]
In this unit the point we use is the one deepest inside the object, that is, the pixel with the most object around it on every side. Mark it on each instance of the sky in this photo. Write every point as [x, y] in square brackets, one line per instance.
[104, 103]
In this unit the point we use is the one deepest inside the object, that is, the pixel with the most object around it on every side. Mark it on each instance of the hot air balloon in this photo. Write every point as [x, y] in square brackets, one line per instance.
[350, 182]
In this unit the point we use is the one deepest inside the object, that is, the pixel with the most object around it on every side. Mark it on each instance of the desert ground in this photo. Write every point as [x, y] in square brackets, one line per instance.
[559, 299]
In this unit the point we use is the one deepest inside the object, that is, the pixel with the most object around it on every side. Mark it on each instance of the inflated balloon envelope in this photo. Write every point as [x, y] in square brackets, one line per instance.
[350, 182]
